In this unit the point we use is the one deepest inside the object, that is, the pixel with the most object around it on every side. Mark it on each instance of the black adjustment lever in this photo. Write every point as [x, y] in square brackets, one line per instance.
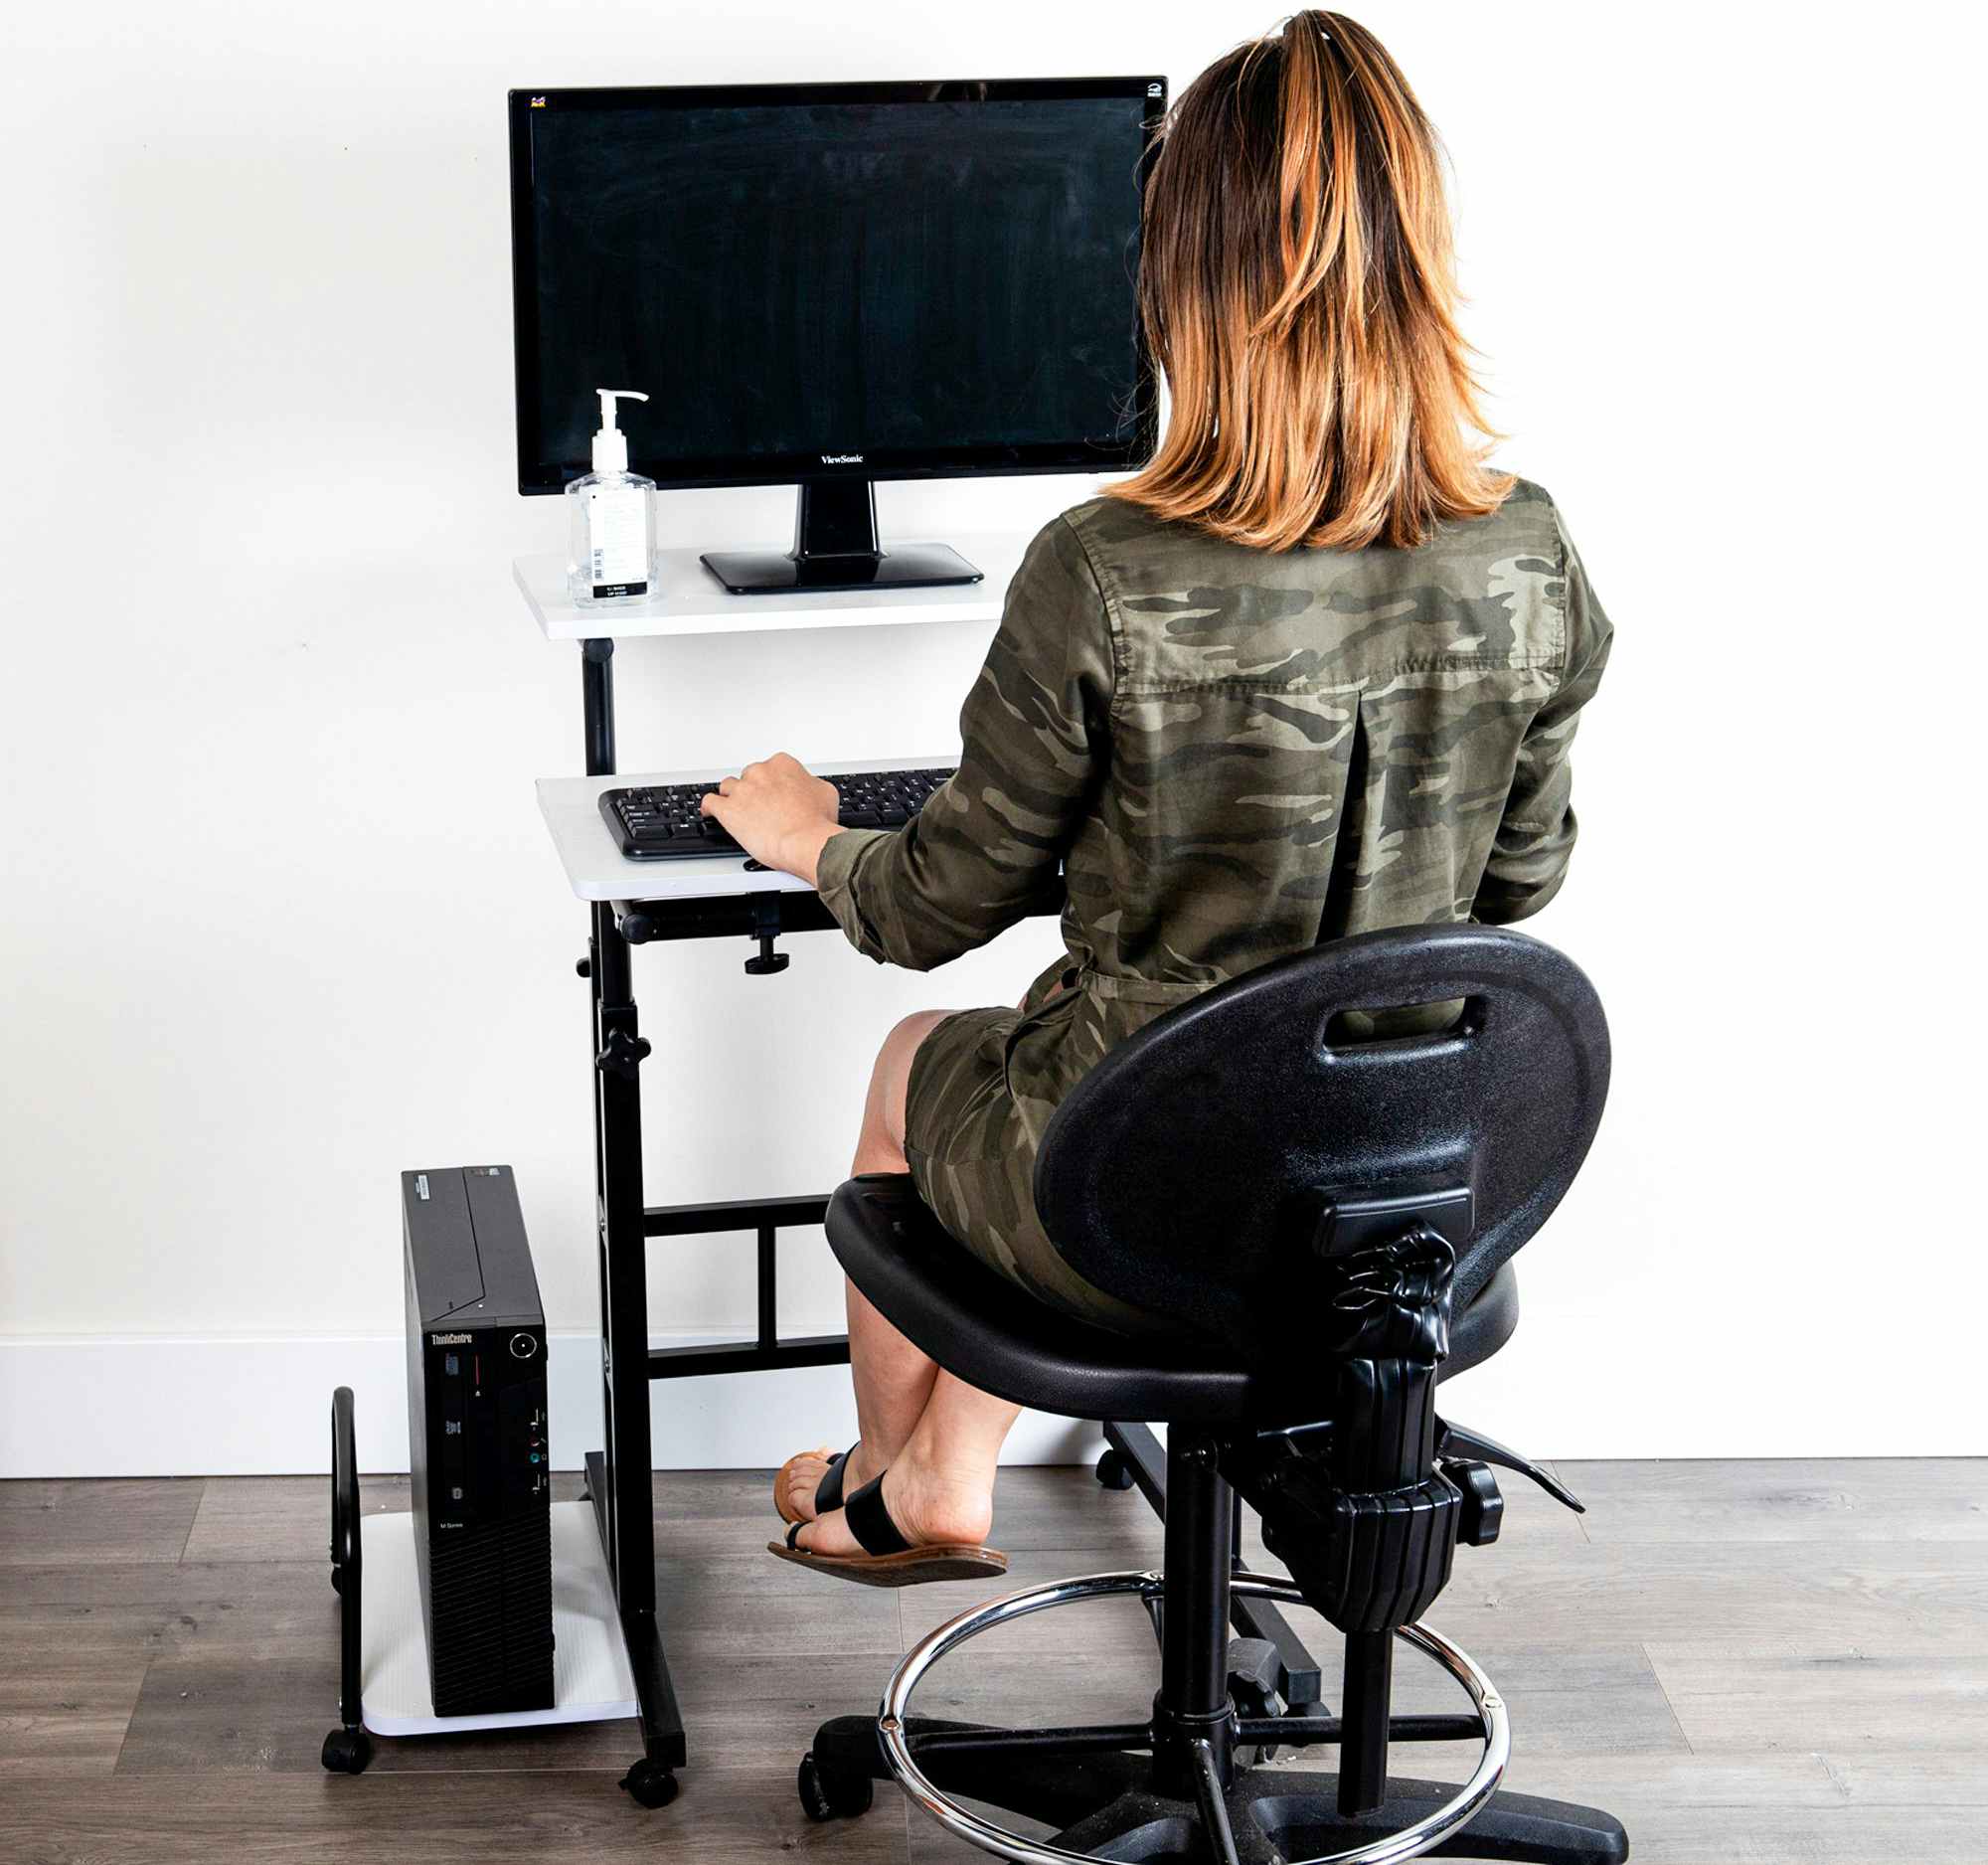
[1483, 1511]
[766, 928]
[1463, 1443]
[622, 1053]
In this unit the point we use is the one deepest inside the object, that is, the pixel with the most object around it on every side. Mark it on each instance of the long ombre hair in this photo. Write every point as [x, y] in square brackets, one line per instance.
[1297, 288]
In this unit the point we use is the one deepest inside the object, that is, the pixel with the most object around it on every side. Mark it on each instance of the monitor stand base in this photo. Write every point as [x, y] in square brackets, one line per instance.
[836, 548]
[902, 566]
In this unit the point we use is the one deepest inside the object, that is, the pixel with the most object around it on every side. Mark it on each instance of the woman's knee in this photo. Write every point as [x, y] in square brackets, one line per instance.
[892, 1076]
[901, 1044]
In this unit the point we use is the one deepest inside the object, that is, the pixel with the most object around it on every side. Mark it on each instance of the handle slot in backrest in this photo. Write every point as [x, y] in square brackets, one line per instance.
[1400, 1026]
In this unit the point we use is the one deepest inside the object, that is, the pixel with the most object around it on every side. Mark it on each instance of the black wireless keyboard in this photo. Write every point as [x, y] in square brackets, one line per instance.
[662, 822]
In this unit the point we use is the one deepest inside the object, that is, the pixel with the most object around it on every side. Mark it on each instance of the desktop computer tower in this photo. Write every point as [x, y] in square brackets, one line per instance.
[478, 1440]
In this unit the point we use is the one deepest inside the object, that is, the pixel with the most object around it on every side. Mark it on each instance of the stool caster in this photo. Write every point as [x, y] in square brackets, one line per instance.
[830, 1793]
[1113, 1471]
[346, 1750]
[1253, 1689]
[649, 1785]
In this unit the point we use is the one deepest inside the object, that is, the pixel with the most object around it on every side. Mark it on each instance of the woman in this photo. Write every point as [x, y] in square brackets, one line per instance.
[1314, 671]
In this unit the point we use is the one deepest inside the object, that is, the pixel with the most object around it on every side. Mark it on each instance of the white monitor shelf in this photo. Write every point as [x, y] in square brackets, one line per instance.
[691, 600]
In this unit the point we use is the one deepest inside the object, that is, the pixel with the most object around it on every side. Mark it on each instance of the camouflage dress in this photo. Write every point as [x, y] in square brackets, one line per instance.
[1233, 754]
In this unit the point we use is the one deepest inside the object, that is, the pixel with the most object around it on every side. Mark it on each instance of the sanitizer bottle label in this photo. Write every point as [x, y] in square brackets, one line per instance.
[619, 533]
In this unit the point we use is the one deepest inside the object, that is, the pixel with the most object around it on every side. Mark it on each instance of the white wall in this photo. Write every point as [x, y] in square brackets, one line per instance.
[262, 640]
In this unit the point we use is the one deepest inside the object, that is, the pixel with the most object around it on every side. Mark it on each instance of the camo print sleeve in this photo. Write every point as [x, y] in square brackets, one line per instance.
[1035, 732]
[1536, 835]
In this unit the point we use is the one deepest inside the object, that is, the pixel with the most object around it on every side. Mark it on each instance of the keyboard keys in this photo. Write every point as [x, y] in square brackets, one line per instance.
[660, 821]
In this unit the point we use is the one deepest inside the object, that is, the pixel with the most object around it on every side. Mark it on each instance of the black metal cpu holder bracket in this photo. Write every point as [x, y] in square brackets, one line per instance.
[1269, 1660]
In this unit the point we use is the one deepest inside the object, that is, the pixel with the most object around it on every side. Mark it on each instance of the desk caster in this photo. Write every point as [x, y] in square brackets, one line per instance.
[830, 1793]
[649, 1785]
[1113, 1471]
[347, 1750]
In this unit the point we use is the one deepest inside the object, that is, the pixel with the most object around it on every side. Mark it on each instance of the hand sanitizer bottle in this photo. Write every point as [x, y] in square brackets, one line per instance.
[611, 534]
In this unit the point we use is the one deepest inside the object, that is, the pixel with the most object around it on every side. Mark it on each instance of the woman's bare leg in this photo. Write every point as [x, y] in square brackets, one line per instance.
[938, 1438]
[893, 1379]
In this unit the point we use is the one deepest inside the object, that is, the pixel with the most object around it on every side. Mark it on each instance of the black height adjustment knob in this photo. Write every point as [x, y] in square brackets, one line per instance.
[768, 962]
[622, 1053]
[765, 929]
[583, 968]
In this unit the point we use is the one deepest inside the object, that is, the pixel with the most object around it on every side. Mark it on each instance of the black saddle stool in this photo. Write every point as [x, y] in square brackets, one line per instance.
[1325, 1214]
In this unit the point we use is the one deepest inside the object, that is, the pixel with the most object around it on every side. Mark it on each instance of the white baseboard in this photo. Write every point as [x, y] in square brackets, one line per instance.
[144, 1406]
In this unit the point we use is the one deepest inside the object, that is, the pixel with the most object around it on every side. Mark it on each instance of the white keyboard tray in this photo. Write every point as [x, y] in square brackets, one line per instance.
[597, 869]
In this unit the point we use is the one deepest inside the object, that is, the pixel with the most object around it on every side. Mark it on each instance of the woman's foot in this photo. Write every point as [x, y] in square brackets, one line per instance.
[930, 1507]
[800, 1477]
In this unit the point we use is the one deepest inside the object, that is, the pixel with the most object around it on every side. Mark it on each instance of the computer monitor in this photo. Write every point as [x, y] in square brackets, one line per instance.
[824, 286]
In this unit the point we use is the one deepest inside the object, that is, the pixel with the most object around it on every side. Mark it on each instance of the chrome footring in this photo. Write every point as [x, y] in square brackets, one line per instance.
[1411, 1842]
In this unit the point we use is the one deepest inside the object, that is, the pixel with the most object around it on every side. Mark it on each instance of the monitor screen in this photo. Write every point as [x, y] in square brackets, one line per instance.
[890, 281]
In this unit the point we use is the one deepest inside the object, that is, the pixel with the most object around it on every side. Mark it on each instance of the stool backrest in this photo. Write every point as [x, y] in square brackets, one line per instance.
[1186, 1172]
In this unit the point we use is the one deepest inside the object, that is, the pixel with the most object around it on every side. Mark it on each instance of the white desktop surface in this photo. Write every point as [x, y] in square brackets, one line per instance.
[689, 600]
[598, 870]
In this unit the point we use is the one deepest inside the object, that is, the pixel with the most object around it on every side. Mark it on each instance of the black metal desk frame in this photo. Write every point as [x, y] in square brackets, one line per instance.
[618, 1476]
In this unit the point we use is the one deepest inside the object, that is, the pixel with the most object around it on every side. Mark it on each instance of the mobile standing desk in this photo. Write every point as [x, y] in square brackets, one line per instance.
[634, 904]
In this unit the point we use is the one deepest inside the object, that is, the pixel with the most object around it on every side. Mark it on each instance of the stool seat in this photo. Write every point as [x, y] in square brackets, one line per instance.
[992, 1334]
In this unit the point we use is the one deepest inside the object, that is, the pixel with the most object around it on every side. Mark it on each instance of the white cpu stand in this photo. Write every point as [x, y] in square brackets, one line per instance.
[591, 1682]
[383, 1686]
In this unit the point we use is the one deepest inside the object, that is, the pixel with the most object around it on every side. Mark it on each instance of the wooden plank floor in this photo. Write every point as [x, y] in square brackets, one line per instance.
[1783, 1663]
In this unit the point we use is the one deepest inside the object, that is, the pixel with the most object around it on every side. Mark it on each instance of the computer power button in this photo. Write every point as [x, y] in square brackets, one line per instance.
[523, 1346]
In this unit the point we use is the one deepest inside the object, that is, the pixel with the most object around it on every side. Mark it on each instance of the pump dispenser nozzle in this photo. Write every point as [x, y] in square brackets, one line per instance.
[610, 444]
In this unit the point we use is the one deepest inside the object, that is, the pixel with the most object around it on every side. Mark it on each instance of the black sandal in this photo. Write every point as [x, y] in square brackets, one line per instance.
[827, 1492]
[888, 1559]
